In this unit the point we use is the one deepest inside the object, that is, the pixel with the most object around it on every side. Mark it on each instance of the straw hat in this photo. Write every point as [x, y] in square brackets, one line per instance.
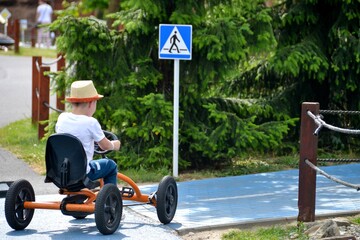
[83, 91]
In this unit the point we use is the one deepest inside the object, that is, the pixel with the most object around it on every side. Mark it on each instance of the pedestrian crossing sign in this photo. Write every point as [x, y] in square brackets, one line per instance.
[175, 41]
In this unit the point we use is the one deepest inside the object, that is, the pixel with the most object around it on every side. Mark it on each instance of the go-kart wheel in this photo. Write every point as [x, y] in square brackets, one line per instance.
[108, 209]
[108, 135]
[74, 199]
[166, 199]
[78, 217]
[16, 215]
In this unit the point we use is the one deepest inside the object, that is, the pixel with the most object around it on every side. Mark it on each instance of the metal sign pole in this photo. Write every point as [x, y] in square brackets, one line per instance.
[176, 118]
[5, 27]
[175, 43]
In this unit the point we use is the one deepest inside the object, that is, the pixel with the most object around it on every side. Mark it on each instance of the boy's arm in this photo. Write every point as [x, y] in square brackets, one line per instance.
[106, 144]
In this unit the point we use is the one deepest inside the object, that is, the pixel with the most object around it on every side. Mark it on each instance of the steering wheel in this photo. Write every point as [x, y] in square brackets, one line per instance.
[108, 135]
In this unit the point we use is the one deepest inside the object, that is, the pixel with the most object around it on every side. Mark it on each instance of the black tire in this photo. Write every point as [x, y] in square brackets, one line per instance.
[16, 215]
[79, 217]
[166, 199]
[75, 199]
[108, 209]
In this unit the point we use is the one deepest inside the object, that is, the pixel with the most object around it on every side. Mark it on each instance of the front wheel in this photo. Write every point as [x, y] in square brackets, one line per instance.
[16, 215]
[108, 209]
[166, 199]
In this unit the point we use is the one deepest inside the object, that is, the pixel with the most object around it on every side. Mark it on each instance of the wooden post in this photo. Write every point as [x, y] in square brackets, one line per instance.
[60, 97]
[44, 96]
[36, 63]
[10, 28]
[16, 35]
[307, 176]
[33, 37]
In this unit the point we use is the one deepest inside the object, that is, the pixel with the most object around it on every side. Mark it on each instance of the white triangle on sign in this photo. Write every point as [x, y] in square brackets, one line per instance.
[175, 44]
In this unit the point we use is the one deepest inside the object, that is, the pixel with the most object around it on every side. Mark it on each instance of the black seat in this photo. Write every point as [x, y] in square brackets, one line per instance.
[66, 163]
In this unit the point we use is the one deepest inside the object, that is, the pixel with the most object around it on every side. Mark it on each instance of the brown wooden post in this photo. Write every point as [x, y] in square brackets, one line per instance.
[307, 176]
[44, 97]
[33, 37]
[16, 35]
[36, 63]
[10, 28]
[60, 97]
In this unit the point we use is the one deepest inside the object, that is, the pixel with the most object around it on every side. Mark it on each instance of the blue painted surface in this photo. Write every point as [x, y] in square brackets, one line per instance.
[205, 204]
[257, 197]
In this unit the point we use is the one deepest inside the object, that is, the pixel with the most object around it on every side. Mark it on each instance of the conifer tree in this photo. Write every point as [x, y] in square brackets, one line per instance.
[317, 57]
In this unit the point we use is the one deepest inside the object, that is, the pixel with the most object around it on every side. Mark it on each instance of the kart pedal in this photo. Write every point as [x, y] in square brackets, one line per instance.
[127, 192]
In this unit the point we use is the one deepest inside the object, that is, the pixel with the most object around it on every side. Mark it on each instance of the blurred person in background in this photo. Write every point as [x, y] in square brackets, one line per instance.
[43, 16]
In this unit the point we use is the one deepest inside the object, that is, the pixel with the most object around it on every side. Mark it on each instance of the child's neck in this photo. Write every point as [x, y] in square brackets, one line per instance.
[81, 111]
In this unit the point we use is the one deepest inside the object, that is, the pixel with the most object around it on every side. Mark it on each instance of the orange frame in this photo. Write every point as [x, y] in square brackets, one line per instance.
[89, 205]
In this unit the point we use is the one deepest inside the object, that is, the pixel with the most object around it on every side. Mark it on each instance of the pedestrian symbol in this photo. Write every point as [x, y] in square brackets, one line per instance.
[175, 42]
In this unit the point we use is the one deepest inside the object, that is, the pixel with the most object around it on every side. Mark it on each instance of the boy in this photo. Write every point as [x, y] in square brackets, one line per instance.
[80, 123]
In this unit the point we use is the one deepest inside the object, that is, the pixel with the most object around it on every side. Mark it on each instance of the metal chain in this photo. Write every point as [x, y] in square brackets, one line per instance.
[339, 112]
[357, 187]
[337, 160]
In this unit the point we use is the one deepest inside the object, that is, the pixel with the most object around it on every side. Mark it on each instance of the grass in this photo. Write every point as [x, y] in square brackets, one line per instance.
[20, 138]
[26, 51]
[269, 233]
[356, 220]
[290, 231]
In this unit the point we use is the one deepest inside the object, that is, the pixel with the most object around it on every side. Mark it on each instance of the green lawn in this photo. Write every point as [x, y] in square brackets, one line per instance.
[25, 51]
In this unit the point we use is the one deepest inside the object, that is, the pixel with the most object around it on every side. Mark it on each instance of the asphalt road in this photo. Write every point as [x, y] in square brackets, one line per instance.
[15, 88]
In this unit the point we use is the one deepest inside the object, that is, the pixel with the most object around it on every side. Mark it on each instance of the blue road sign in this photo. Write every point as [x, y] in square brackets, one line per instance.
[175, 41]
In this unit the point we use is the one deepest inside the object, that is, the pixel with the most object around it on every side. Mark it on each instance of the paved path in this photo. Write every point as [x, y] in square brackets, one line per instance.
[203, 204]
[15, 82]
[258, 199]
[15, 90]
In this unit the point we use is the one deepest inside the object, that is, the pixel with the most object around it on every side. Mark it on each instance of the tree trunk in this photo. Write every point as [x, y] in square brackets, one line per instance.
[114, 6]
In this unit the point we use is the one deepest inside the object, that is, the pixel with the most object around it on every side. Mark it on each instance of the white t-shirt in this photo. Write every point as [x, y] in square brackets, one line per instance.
[44, 12]
[86, 129]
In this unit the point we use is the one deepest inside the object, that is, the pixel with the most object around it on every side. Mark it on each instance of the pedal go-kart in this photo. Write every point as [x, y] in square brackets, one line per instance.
[66, 168]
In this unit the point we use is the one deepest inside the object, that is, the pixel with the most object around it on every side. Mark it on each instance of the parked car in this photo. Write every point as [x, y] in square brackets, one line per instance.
[5, 42]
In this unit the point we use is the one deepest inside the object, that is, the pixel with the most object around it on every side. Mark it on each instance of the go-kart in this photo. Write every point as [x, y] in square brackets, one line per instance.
[66, 167]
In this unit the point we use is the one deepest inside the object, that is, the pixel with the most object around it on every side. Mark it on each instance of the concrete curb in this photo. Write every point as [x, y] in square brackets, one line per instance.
[263, 222]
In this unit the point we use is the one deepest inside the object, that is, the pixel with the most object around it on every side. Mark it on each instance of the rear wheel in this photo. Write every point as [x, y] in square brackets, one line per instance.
[108, 209]
[74, 199]
[16, 215]
[166, 199]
